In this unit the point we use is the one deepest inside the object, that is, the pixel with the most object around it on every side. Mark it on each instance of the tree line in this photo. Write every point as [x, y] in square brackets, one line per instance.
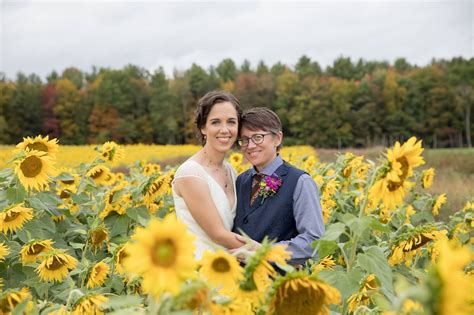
[347, 104]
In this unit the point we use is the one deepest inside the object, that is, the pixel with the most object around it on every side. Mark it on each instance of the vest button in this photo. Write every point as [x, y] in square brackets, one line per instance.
[246, 221]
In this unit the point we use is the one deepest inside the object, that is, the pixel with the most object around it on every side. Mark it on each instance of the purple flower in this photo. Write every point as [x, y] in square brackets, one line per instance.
[270, 185]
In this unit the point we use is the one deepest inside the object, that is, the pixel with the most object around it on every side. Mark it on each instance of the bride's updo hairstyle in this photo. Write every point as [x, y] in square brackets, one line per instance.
[205, 105]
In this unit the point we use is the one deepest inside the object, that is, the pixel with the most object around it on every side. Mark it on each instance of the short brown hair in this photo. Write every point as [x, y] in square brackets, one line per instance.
[205, 105]
[261, 118]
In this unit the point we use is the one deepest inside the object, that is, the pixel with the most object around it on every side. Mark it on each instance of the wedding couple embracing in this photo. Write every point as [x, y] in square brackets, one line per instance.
[272, 199]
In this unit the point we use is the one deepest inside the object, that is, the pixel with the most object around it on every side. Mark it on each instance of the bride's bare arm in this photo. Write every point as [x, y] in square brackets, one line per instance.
[198, 199]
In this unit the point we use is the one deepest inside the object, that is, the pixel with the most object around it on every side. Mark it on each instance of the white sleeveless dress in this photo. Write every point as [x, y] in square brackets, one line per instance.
[226, 211]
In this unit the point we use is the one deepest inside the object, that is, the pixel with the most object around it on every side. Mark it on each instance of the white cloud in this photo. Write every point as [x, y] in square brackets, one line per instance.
[41, 36]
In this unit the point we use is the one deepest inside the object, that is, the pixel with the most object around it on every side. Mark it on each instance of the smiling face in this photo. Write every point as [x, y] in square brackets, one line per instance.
[261, 155]
[221, 127]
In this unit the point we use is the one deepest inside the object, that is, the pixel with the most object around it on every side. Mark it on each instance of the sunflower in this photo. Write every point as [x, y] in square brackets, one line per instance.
[391, 193]
[309, 163]
[29, 252]
[55, 265]
[300, 293]
[114, 203]
[11, 298]
[157, 186]
[98, 236]
[409, 211]
[259, 270]
[90, 305]
[101, 175]
[352, 164]
[163, 253]
[403, 158]
[410, 243]
[236, 159]
[194, 296]
[220, 268]
[362, 170]
[119, 176]
[441, 200]
[328, 206]
[13, 218]
[427, 178]
[151, 168]
[410, 307]
[111, 152]
[58, 218]
[241, 301]
[97, 275]
[50, 147]
[4, 251]
[329, 188]
[232, 306]
[451, 288]
[392, 184]
[368, 286]
[325, 263]
[33, 170]
[69, 182]
[119, 258]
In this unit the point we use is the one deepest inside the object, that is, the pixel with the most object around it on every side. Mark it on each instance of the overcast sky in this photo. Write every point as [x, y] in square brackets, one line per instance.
[41, 36]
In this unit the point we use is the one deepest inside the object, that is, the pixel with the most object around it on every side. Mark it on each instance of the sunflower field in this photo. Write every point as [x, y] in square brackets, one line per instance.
[93, 238]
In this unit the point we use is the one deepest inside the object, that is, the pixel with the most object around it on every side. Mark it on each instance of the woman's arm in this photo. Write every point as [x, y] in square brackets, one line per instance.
[198, 199]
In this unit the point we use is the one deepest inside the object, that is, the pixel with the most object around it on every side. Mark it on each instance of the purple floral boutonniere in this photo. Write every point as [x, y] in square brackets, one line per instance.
[269, 185]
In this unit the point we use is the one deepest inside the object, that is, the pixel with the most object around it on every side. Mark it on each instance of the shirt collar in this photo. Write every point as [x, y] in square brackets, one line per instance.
[270, 168]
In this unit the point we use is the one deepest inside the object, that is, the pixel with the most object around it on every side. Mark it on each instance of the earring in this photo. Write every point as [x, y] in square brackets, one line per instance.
[204, 137]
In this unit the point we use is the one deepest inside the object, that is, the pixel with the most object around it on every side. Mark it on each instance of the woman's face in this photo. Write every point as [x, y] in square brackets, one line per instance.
[261, 154]
[221, 127]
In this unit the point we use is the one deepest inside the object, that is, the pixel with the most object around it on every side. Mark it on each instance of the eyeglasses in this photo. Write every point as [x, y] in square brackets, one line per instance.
[256, 139]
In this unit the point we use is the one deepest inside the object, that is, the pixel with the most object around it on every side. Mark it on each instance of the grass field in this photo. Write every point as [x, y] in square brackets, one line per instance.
[454, 171]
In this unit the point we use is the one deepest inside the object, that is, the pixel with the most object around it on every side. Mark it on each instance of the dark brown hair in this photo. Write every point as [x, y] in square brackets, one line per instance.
[205, 105]
[261, 118]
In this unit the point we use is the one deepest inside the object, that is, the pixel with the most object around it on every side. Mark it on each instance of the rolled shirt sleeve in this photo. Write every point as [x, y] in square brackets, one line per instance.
[309, 220]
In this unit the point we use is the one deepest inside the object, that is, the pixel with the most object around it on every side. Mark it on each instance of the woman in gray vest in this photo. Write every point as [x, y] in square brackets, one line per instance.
[274, 198]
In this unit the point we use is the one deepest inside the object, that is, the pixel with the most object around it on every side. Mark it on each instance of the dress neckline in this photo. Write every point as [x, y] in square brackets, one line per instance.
[220, 187]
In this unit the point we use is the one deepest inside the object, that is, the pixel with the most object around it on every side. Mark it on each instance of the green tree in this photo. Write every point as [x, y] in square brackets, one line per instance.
[23, 113]
[227, 70]
[305, 67]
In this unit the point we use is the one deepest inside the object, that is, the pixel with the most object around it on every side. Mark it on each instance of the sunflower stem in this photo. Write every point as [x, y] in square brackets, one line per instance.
[350, 262]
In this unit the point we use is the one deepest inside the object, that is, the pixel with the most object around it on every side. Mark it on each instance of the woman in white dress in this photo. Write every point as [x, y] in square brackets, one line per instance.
[204, 185]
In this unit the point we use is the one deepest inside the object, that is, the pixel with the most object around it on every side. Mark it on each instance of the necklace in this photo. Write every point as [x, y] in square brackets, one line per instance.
[216, 168]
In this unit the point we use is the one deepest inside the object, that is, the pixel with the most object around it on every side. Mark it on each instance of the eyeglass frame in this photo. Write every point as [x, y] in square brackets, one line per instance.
[253, 140]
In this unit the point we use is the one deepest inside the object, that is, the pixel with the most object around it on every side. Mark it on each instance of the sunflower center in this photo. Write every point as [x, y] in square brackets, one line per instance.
[423, 241]
[38, 146]
[97, 173]
[56, 264]
[164, 253]
[98, 236]
[6, 306]
[294, 297]
[393, 186]
[405, 165]
[156, 186]
[64, 194]
[35, 249]
[11, 216]
[221, 265]
[122, 255]
[31, 166]
[68, 182]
